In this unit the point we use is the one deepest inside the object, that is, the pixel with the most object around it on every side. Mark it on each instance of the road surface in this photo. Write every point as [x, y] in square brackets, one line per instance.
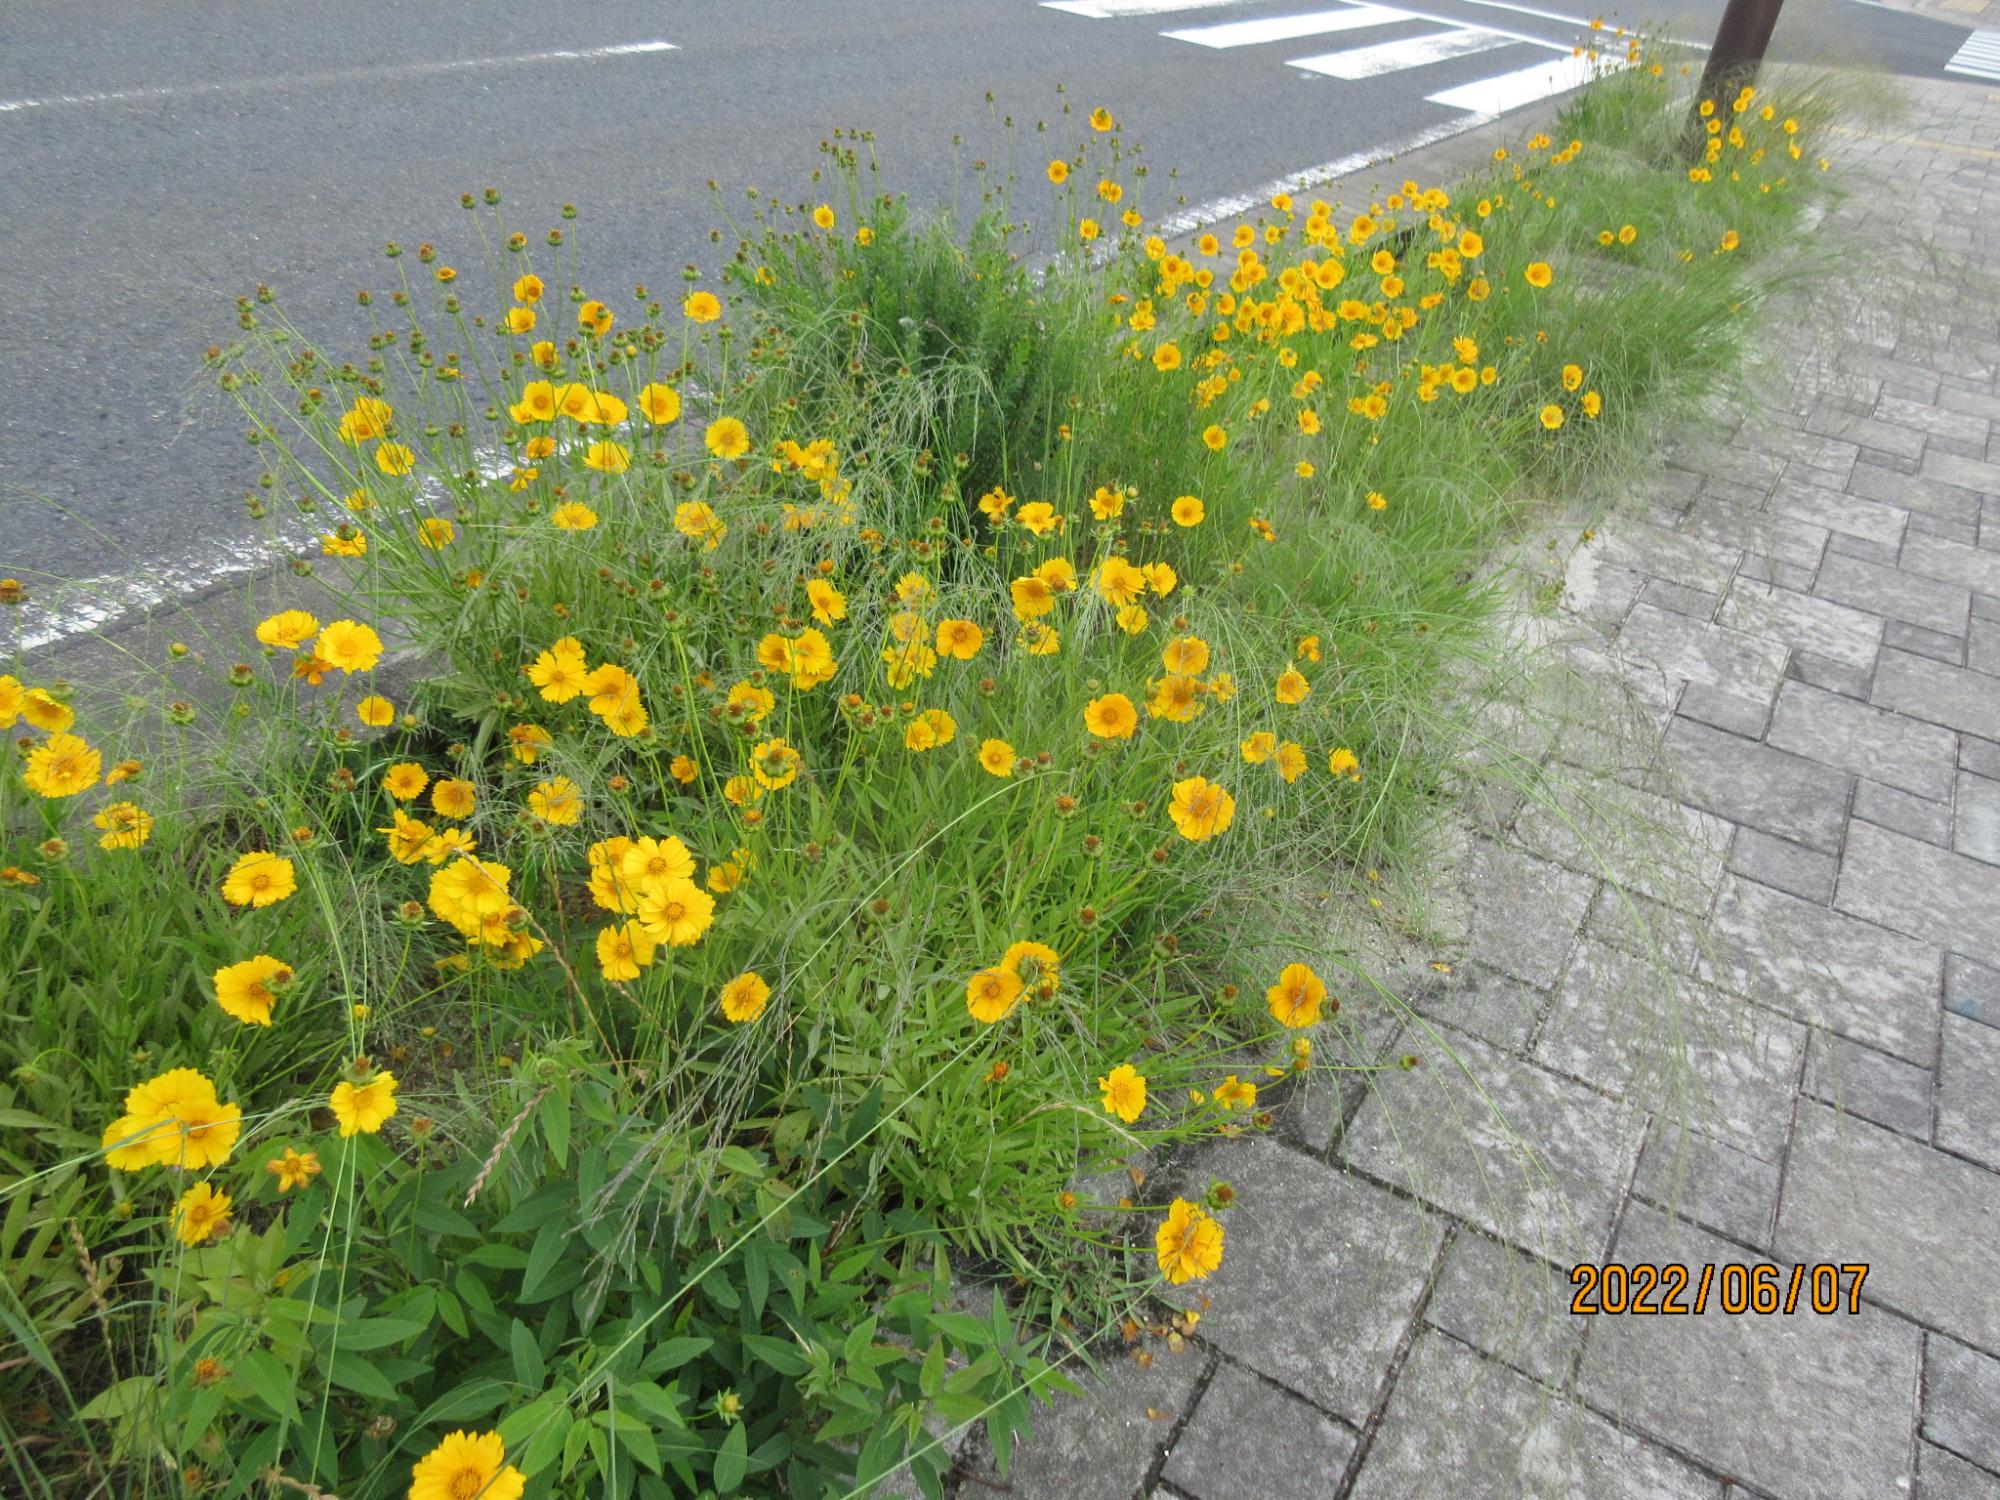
[158, 157]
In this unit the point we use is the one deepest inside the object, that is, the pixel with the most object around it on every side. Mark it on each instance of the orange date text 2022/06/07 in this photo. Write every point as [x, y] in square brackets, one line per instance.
[1733, 1287]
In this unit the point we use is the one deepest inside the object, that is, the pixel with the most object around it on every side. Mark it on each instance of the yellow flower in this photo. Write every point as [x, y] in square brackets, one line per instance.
[697, 520]
[1572, 377]
[1296, 998]
[367, 419]
[1538, 274]
[375, 711]
[1552, 416]
[676, 912]
[727, 438]
[559, 672]
[594, 317]
[528, 289]
[1201, 809]
[992, 993]
[1101, 120]
[608, 458]
[1188, 511]
[350, 646]
[1119, 582]
[1111, 717]
[702, 307]
[454, 797]
[959, 639]
[1344, 762]
[660, 404]
[1124, 1092]
[287, 629]
[624, 950]
[1235, 1093]
[520, 320]
[745, 996]
[344, 541]
[363, 1109]
[997, 757]
[1291, 761]
[823, 216]
[394, 458]
[930, 729]
[405, 780]
[1188, 1244]
[1058, 172]
[294, 1169]
[1293, 688]
[828, 603]
[1260, 747]
[573, 515]
[775, 764]
[126, 825]
[259, 879]
[557, 800]
[202, 1214]
[173, 1120]
[62, 766]
[1214, 437]
[465, 1465]
[249, 989]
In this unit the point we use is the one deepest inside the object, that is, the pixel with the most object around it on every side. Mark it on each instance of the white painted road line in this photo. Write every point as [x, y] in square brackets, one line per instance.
[1106, 10]
[1408, 52]
[1218, 210]
[338, 75]
[1979, 57]
[1289, 28]
[1494, 96]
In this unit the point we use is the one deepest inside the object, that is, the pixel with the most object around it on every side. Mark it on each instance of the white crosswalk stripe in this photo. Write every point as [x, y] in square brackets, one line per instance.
[1979, 57]
[1492, 96]
[1409, 52]
[1106, 10]
[1289, 28]
[1457, 39]
[1454, 38]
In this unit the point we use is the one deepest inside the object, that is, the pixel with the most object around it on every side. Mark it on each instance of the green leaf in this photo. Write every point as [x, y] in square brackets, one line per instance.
[117, 1403]
[554, 1116]
[377, 1333]
[527, 1356]
[475, 1398]
[731, 1459]
[672, 1353]
[542, 1258]
[356, 1374]
[777, 1353]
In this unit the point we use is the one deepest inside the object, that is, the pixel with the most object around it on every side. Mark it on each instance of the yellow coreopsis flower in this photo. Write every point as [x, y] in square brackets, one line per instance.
[1201, 809]
[464, 1465]
[363, 1109]
[1124, 1092]
[1188, 1243]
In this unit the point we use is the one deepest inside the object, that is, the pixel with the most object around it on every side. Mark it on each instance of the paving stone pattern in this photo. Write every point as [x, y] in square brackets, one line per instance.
[1807, 605]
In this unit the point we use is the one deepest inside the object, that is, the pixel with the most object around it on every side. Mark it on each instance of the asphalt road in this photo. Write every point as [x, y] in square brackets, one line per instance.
[158, 157]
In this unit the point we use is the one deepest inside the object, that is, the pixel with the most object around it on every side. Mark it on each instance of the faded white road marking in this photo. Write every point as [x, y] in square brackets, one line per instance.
[1979, 57]
[1105, 10]
[337, 75]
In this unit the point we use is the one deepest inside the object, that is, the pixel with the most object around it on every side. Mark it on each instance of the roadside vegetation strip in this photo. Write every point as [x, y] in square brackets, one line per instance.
[855, 797]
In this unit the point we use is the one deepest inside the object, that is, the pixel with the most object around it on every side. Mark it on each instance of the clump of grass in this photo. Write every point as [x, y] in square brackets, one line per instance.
[862, 705]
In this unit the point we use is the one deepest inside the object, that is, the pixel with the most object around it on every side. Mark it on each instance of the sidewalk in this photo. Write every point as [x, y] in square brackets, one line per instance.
[1806, 605]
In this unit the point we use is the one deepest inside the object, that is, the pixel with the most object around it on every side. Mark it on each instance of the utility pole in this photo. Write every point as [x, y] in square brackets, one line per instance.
[1732, 62]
